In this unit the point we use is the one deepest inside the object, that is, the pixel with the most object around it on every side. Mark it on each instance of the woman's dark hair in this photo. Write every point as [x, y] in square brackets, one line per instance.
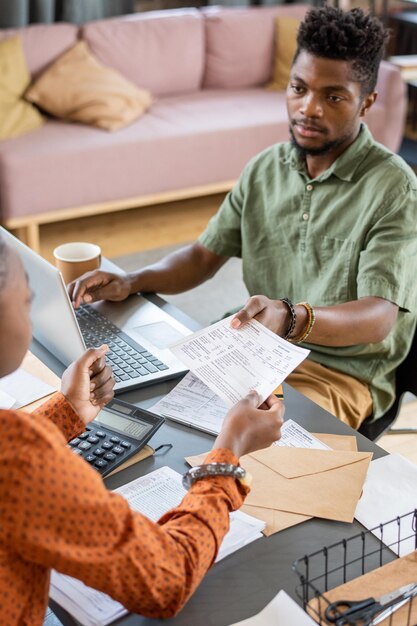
[347, 36]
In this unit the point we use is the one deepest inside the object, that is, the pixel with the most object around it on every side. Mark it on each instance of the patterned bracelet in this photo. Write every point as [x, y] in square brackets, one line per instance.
[293, 321]
[310, 322]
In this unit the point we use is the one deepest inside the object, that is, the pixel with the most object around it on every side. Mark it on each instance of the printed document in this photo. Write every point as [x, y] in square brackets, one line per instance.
[192, 403]
[231, 361]
[152, 495]
[295, 436]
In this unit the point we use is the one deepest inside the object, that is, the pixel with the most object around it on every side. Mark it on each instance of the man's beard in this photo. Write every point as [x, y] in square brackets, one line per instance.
[323, 149]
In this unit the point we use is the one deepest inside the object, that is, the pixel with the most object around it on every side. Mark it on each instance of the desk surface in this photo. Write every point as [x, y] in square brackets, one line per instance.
[243, 583]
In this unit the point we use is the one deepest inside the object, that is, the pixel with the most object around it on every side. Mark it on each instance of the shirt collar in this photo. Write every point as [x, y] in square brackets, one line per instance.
[345, 165]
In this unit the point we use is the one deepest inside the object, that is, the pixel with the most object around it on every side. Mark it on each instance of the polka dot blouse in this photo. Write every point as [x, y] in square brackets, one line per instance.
[55, 512]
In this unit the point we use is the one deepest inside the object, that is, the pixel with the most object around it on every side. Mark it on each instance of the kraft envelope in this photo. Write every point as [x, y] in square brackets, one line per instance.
[275, 518]
[318, 483]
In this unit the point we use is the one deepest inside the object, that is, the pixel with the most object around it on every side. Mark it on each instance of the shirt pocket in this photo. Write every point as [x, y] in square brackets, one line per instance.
[335, 267]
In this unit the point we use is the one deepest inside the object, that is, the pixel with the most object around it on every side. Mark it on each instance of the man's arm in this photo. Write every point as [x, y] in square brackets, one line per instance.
[181, 270]
[368, 320]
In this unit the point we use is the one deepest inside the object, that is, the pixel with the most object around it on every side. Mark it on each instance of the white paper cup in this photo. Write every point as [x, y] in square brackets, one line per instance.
[76, 258]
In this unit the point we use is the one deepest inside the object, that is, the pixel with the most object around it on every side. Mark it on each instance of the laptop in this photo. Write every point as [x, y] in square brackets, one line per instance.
[137, 331]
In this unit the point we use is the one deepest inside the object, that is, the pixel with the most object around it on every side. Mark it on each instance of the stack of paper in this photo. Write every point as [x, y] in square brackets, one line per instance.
[152, 495]
[291, 484]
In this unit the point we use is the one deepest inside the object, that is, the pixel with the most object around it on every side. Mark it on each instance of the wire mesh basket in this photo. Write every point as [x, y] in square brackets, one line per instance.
[341, 562]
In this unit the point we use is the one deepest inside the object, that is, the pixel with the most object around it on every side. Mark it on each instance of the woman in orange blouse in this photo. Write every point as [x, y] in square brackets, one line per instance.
[56, 513]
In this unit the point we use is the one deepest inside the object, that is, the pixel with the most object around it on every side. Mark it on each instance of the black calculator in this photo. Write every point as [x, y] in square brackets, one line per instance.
[119, 431]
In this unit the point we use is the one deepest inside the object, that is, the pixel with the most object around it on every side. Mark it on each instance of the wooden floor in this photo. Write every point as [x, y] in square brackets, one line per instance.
[134, 230]
[406, 445]
[145, 228]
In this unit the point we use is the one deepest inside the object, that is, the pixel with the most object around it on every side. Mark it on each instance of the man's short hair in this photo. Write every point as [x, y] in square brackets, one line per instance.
[353, 36]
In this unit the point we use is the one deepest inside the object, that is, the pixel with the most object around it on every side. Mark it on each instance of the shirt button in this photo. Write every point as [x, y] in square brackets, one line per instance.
[305, 216]
[309, 187]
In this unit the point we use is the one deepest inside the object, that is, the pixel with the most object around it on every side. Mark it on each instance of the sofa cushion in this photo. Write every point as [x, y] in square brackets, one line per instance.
[286, 29]
[16, 115]
[77, 88]
[240, 44]
[43, 43]
[182, 142]
[159, 51]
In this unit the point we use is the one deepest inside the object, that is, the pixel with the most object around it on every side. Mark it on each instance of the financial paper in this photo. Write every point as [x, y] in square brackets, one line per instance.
[231, 361]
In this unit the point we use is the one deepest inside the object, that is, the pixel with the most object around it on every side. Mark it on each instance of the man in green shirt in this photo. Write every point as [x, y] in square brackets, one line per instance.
[328, 221]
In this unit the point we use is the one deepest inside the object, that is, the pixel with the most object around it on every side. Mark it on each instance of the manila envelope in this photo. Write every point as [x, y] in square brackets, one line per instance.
[276, 519]
[317, 483]
[374, 584]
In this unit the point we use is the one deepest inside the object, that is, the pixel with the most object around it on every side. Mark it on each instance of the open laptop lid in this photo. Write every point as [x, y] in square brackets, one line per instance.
[53, 319]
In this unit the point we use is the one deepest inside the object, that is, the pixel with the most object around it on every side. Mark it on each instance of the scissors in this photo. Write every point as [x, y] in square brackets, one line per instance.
[370, 611]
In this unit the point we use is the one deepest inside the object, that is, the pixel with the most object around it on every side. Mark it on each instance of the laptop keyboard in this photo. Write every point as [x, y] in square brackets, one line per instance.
[127, 358]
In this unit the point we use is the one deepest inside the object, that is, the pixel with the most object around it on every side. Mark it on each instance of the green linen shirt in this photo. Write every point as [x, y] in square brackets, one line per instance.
[347, 234]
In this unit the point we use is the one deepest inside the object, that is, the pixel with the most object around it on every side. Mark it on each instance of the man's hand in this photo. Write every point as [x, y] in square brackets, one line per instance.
[88, 383]
[247, 428]
[98, 285]
[273, 314]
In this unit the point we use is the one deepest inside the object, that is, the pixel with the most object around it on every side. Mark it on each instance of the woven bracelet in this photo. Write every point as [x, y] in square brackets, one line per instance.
[293, 321]
[310, 321]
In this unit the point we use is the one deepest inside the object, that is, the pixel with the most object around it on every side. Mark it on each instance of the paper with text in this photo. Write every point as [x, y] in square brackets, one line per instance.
[295, 436]
[152, 495]
[232, 362]
[192, 403]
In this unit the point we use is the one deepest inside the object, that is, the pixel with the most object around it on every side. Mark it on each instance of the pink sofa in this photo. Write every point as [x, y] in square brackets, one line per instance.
[207, 70]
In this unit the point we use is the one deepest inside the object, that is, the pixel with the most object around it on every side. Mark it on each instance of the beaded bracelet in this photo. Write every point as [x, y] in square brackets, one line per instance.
[293, 321]
[310, 321]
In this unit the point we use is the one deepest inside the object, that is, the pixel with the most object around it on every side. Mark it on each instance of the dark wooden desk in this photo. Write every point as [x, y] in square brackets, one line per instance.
[243, 583]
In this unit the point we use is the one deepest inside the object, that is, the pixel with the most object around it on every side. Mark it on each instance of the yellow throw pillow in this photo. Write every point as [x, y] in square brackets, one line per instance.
[16, 115]
[286, 29]
[78, 88]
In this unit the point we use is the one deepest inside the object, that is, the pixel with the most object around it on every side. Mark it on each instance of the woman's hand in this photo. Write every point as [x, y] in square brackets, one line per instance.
[88, 383]
[247, 428]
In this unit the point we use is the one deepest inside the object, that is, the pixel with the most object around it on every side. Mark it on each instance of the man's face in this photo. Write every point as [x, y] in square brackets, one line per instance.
[324, 105]
[15, 325]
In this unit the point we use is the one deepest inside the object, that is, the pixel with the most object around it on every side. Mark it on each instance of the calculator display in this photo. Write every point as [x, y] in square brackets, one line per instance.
[121, 424]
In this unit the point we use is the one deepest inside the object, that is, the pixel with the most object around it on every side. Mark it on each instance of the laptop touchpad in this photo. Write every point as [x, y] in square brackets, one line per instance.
[160, 334]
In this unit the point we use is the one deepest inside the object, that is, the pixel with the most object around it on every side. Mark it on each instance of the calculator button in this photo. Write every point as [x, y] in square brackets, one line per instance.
[98, 452]
[90, 458]
[100, 434]
[93, 439]
[84, 445]
[106, 445]
[83, 436]
[75, 441]
[101, 463]
[109, 456]
[115, 439]
[126, 444]
[77, 451]
[118, 450]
